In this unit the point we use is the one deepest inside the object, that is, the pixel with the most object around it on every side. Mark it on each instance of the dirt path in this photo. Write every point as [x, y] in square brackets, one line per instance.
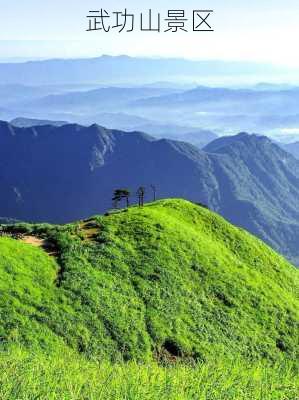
[46, 245]
[35, 241]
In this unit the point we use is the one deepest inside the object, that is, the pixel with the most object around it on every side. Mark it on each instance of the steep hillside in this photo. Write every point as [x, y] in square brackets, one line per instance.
[60, 174]
[260, 188]
[170, 280]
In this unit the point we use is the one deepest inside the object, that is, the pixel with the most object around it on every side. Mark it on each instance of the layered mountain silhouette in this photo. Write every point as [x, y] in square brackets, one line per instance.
[66, 173]
[217, 99]
[96, 99]
[198, 137]
[123, 68]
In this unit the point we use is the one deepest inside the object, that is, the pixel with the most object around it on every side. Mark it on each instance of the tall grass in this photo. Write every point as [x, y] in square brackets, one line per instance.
[28, 376]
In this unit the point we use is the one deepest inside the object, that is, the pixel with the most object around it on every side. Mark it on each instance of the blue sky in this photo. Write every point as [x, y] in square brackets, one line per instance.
[265, 30]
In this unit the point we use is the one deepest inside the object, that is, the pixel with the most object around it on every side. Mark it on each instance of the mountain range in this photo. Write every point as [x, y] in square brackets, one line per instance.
[126, 122]
[66, 173]
[106, 69]
[226, 109]
[109, 98]
[223, 110]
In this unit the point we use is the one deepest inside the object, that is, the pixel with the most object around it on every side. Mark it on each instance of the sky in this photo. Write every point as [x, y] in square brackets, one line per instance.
[258, 30]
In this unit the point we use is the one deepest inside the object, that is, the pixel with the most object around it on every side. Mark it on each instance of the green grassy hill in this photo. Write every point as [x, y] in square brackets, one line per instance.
[168, 281]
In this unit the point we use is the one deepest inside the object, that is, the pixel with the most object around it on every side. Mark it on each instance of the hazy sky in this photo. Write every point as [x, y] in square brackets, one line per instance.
[256, 30]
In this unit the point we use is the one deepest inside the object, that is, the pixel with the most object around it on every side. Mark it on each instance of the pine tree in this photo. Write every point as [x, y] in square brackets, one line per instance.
[119, 195]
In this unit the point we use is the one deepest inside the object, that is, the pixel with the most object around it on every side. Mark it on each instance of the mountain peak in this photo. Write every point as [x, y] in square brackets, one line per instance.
[244, 138]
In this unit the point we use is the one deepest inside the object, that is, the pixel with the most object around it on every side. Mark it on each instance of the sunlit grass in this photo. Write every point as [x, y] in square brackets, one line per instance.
[71, 377]
[170, 272]
[167, 283]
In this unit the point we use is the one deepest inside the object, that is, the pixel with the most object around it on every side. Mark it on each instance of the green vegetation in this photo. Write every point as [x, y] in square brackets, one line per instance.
[67, 376]
[168, 283]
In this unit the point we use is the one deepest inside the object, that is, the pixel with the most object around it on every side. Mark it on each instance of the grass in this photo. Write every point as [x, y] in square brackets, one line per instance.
[31, 376]
[171, 279]
[168, 301]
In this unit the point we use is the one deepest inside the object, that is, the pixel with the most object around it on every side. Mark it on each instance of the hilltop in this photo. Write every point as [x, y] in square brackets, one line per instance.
[61, 174]
[171, 280]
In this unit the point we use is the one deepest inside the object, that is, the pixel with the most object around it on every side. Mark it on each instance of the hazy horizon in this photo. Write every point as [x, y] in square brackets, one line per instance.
[259, 31]
[23, 59]
[247, 72]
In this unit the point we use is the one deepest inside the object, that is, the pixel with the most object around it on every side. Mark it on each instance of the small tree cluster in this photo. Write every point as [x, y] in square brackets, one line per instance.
[124, 194]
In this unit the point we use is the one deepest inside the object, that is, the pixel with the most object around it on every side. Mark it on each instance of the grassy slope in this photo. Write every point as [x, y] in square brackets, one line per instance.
[170, 275]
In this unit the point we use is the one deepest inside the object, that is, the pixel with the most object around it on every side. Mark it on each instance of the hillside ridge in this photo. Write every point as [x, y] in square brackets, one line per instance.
[170, 279]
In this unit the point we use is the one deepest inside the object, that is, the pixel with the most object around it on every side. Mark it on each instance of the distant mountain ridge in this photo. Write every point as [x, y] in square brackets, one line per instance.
[106, 69]
[124, 122]
[292, 148]
[223, 110]
[216, 98]
[30, 122]
[66, 173]
[97, 99]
